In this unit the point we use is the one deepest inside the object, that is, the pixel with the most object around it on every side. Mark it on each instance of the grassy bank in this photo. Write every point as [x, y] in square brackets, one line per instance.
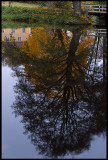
[32, 13]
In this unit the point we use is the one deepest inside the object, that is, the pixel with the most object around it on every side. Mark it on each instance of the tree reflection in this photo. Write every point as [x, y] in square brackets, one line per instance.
[57, 97]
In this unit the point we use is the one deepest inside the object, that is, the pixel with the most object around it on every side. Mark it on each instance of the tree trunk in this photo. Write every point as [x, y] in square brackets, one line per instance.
[77, 8]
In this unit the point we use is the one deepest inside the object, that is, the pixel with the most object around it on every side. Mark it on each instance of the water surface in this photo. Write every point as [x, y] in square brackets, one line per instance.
[54, 92]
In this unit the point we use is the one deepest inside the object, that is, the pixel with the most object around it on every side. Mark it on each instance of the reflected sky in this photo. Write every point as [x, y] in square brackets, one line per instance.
[56, 86]
[14, 142]
[13, 147]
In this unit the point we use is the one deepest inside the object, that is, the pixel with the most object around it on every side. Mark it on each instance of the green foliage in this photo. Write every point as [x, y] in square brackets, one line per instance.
[50, 15]
[100, 2]
[52, 4]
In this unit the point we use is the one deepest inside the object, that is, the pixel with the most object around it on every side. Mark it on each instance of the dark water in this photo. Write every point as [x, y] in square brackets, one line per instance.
[54, 93]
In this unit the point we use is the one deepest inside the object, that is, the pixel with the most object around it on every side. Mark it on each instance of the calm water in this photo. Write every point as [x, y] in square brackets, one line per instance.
[54, 93]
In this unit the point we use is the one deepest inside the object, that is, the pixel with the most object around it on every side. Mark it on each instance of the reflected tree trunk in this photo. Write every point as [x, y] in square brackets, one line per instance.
[68, 89]
[104, 57]
[70, 60]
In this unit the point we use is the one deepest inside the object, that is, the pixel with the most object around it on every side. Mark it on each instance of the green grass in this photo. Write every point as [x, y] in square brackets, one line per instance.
[20, 5]
[31, 13]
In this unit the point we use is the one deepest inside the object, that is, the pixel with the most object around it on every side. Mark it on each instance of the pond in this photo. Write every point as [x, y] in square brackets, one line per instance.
[54, 92]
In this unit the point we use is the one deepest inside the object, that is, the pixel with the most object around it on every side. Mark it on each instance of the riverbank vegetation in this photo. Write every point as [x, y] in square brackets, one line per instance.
[40, 13]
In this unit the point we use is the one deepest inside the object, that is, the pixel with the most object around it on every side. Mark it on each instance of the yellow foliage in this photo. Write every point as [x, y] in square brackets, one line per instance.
[86, 2]
[69, 4]
[85, 42]
[37, 44]
[33, 46]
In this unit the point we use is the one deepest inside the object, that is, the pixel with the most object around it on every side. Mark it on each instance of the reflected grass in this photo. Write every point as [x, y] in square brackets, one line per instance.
[16, 24]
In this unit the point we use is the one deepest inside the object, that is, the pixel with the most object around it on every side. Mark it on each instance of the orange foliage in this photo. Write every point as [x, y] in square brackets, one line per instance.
[85, 42]
[86, 2]
[38, 44]
[33, 46]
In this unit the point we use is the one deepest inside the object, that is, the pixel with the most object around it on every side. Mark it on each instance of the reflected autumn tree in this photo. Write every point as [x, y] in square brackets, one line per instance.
[58, 94]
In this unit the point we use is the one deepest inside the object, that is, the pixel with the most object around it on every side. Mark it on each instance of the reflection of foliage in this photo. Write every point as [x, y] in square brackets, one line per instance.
[54, 46]
[58, 99]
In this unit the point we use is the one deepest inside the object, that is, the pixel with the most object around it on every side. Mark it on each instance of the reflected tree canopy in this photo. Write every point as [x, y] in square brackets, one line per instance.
[61, 89]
